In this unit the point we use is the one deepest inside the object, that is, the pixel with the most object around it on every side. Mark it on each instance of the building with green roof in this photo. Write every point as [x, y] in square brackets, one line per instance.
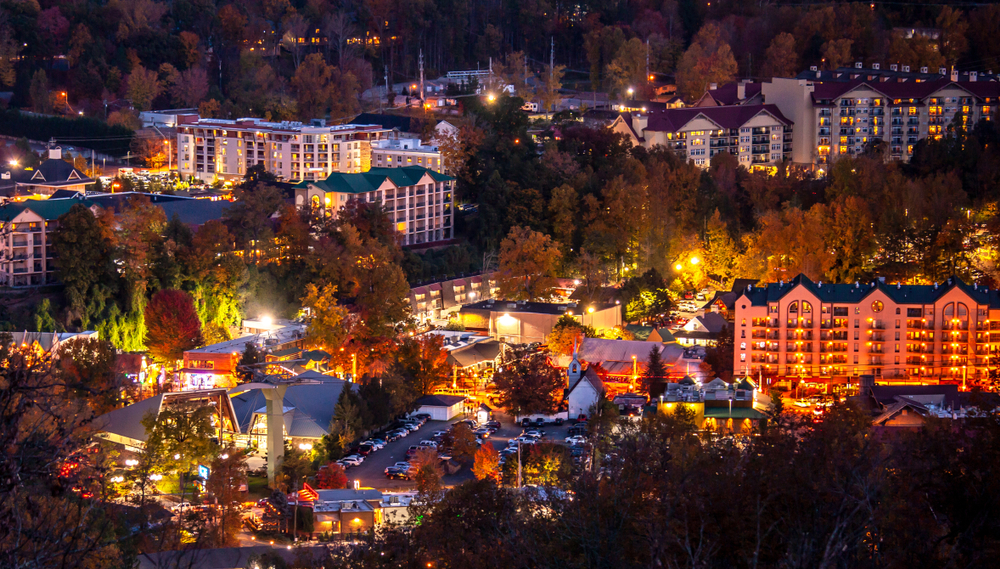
[26, 256]
[420, 200]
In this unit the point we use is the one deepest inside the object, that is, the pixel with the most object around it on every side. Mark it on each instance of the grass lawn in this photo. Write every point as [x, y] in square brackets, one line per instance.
[257, 487]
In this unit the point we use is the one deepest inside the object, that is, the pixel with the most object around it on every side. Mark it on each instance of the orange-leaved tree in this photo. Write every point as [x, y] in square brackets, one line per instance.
[331, 477]
[487, 465]
[172, 325]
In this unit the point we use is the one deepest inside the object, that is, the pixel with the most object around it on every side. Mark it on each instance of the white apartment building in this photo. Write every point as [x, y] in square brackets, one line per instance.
[419, 198]
[211, 149]
[843, 112]
[758, 135]
[26, 255]
[399, 152]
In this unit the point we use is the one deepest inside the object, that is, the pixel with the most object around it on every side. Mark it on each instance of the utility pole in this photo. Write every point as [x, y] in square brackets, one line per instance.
[385, 75]
[648, 80]
[422, 76]
[552, 57]
[518, 464]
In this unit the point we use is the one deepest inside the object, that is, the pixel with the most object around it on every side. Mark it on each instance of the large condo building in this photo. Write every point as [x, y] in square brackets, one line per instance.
[211, 149]
[843, 112]
[419, 199]
[26, 253]
[830, 332]
[758, 135]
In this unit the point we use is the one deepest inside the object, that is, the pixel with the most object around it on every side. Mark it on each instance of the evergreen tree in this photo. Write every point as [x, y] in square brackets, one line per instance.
[655, 377]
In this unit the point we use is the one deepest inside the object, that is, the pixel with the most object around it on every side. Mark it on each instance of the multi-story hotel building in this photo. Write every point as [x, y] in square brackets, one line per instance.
[210, 149]
[758, 135]
[844, 111]
[829, 332]
[420, 198]
[400, 152]
[26, 253]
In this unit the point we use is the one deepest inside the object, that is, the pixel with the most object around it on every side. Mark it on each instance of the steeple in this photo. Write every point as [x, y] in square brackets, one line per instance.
[574, 371]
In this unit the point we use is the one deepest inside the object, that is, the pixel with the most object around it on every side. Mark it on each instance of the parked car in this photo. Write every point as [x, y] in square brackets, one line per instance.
[575, 440]
[364, 449]
[354, 457]
[483, 432]
[582, 418]
[401, 464]
[397, 474]
[424, 416]
[493, 424]
[426, 443]
[535, 433]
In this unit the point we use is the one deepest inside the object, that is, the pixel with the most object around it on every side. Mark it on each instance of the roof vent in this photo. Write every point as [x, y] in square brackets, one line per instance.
[923, 70]
[813, 68]
[975, 286]
[857, 284]
[935, 286]
[893, 67]
[898, 286]
[973, 75]
[906, 69]
[819, 284]
[857, 65]
[749, 288]
[942, 71]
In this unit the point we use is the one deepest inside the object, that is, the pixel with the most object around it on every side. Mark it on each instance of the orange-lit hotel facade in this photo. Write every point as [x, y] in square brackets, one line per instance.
[832, 332]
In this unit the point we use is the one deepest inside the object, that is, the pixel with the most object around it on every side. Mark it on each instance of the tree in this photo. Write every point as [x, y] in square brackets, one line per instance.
[551, 84]
[528, 260]
[547, 465]
[487, 463]
[338, 28]
[347, 423]
[463, 442]
[191, 87]
[177, 438]
[426, 471]
[139, 229]
[326, 329]
[10, 48]
[227, 476]
[781, 59]
[250, 216]
[567, 333]
[953, 42]
[331, 477]
[837, 53]
[41, 102]
[172, 325]
[380, 290]
[527, 384]
[708, 60]
[251, 356]
[88, 367]
[719, 358]
[141, 87]
[654, 377]
[628, 69]
[423, 363]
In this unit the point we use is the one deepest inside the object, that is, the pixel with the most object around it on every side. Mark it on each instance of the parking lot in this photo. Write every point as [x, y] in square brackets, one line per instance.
[371, 473]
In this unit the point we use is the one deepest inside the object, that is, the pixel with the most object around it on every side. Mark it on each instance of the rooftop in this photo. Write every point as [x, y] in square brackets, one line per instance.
[533, 307]
[237, 345]
[373, 179]
[852, 293]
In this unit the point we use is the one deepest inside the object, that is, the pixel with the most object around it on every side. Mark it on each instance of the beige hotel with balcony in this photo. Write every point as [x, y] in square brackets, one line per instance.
[821, 332]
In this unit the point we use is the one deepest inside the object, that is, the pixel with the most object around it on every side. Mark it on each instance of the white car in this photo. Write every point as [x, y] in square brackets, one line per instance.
[401, 464]
[353, 460]
[375, 445]
[180, 507]
[575, 440]
[431, 444]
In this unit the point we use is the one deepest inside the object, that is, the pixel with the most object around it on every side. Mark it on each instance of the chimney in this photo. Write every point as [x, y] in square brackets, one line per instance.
[857, 65]
[876, 66]
[893, 67]
[55, 153]
[741, 90]
[713, 86]
[954, 75]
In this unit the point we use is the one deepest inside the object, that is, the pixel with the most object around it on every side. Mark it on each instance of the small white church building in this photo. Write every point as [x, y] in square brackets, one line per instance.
[585, 388]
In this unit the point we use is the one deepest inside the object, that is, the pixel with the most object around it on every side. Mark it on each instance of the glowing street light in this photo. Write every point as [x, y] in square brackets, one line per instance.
[679, 267]
[13, 163]
[695, 260]
[491, 97]
[630, 91]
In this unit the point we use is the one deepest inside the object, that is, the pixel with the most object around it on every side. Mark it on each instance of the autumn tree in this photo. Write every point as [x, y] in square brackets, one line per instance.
[526, 383]
[719, 358]
[567, 333]
[708, 60]
[327, 328]
[463, 442]
[551, 84]
[139, 228]
[172, 325]
[141, 87]
[331, 477]
[781, 58]
[227, 476]
[379, 289]
[487, 463]
[953, 42]
[423, 363]
[836, 53]
[426, 471]
[89, 368]
[628, 69]
[528, 260]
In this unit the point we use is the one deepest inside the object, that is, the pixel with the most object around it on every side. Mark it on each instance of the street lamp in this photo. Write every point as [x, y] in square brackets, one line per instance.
[695, 260]
[13, 163]
[491, 97]
[679, 267]
[630, 91]
[170, 161]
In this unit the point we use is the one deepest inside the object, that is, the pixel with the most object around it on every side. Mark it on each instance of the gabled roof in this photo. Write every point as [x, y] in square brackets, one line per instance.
[728, 94]
[886, 395]
[127, 421]
[476, 353]
[53, 171]
[850, 293]
[904, 89]
[48, 210]
[730, 117]
[439, 400]
[373, 179]
[308, 408]
[897, 407]
[591, 377]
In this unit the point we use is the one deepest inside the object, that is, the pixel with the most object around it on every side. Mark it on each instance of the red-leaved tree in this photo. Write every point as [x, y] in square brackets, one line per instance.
[172, 325]
[331, 477]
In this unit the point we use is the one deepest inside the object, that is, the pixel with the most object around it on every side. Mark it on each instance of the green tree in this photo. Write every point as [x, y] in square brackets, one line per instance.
[654, 377]
[567, 333]
[227, 474]
[141, 87]
[251, 356]
[628, 69]
[41, 101]
[528, 260]
[88, 367]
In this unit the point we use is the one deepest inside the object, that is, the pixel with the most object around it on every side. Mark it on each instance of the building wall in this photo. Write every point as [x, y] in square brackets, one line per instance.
[582, 399]
[526, 327]
[214, 149]
[26, 256]
[423, 213]
[846, 339]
